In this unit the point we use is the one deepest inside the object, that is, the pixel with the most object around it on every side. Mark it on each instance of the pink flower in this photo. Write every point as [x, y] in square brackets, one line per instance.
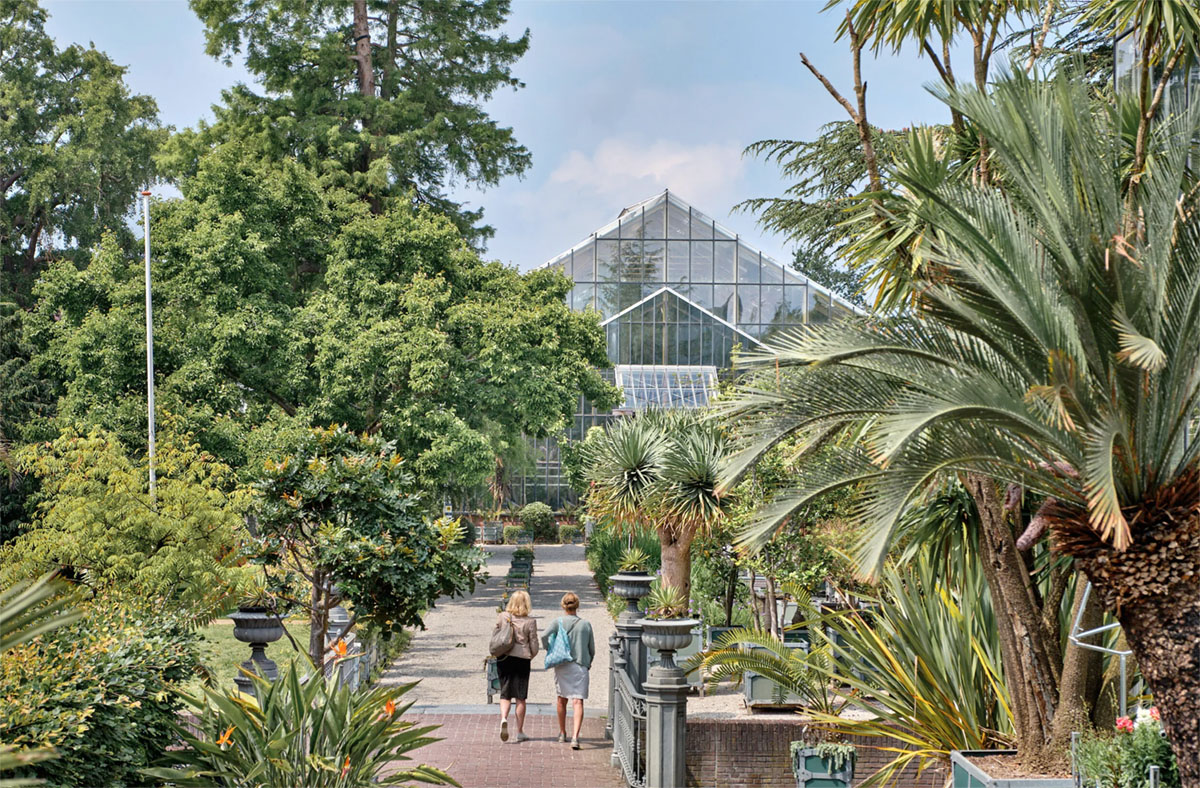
[1124, 724]
[1154, 713]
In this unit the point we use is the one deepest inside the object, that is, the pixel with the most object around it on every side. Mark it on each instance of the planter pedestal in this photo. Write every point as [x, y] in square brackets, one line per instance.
[258, 627]
[666, 691]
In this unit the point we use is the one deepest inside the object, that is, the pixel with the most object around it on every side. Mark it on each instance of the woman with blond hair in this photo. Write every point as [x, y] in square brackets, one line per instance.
[571, 678]
[513, 667]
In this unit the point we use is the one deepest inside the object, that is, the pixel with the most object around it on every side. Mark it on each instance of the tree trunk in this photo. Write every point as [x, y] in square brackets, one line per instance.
[1153, 587]
[730, 593]
[1080, 673]
[677, 559]
[362, 49]
[318, 621]
[1031, 664]
[772, 607]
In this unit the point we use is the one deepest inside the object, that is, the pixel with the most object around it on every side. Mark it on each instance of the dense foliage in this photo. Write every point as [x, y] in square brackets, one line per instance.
[100, 692]
[538, 520]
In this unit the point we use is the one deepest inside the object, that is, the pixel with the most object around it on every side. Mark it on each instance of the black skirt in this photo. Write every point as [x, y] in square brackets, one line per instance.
[514, 677]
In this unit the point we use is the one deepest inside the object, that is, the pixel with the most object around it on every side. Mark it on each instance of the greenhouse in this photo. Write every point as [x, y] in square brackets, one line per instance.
[677, 294]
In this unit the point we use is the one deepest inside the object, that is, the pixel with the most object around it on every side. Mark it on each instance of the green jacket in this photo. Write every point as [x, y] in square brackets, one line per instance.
[583, 644]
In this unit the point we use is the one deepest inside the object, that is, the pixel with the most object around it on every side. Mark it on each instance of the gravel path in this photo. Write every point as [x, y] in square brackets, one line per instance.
[448, 656]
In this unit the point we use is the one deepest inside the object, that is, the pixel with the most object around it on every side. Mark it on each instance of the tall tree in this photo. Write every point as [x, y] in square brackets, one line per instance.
[75, 146]
[382, 97]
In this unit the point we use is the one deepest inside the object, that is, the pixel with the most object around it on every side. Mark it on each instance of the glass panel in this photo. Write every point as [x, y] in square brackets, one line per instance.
[562, 264]
[677, 261]
[677, 220]
[818, 306]
[721, 234]
[748, 304]
[583, 269]
[841, 311]
[702, 295]
[748, 264]
[772, 272]
[653, 261]
[771, 304]
[607, 298]
[723, 302]
[794, 299]
[702, 262]
[653, 221]
[607, 266]
[724, 252]
[631, 224]
[582, 295]
[629, 295]
[608, 231]
[793, 278]
[702, 226]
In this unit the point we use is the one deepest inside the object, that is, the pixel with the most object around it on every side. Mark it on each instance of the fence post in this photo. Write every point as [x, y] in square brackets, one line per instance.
[666, 691]
[615, 663]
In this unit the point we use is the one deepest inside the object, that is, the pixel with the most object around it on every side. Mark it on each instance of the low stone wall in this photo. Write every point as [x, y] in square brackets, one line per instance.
[746, 752]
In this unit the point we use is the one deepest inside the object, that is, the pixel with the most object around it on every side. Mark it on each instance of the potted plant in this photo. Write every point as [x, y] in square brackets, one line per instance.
[634, 561]
[664, 627]
[827, 764]
[1124, 756]
[632, 581]
[257, 622]
[978, 769]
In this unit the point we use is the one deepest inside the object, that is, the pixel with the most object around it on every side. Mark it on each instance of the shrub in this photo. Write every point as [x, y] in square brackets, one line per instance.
[1122, 759]
[303, 735]
[605, 548]
[100, 692]
[567, 533]
[538, 519]
[512, 533]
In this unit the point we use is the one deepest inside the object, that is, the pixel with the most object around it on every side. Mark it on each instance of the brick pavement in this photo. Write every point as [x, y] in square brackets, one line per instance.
[472, 753]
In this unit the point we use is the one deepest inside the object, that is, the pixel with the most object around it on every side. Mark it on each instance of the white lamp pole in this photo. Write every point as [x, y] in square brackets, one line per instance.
[149, 340]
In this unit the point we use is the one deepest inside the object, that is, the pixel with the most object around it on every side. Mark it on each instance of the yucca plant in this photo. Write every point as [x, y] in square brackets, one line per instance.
[659, 468]
[300, 733]
[1056, 349]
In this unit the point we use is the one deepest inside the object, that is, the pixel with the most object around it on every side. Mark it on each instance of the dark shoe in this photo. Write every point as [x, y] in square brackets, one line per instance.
[575, 744]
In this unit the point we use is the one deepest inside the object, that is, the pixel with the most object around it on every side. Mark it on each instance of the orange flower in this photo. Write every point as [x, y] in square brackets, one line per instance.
[389, 708]
[346, 766]
[339, 648]
[225, 737]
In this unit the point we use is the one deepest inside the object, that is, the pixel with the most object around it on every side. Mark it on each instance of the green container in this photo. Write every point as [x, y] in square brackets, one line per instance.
[813, 771]
[967, 774]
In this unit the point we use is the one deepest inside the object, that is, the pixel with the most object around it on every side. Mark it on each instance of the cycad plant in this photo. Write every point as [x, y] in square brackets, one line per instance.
[1056, 349]
[659, 469]
[301, 733]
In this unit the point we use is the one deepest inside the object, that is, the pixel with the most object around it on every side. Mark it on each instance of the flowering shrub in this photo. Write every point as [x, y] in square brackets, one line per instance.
[1122, 759]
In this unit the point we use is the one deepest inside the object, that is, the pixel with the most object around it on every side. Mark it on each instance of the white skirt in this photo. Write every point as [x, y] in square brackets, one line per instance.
[571, 680]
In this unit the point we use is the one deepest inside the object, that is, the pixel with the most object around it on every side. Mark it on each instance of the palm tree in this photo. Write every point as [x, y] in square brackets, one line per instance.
[659, 468]
[1056, 349]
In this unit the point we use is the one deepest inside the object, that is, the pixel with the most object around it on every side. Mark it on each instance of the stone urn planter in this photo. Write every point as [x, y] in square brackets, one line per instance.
[968, 772]
[257, 626]
[812, 767]
[632, 587]
[666, 636]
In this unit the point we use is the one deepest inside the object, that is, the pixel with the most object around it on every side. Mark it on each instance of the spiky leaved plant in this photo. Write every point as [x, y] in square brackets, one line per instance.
[1056, 349]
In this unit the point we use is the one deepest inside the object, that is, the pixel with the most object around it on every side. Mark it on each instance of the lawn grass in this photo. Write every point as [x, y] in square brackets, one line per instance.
[221, 653]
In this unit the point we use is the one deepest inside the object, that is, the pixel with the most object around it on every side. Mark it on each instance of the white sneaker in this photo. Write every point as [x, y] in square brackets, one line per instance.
[575, 744]
[562, 737]
[503, 730]
[522, 737]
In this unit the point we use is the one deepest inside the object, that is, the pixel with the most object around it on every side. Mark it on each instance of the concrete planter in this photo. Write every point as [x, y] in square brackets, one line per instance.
[967, 774]
[761, 691]
[258, 627]
[666, 636]
[632, 587]
[813, 771]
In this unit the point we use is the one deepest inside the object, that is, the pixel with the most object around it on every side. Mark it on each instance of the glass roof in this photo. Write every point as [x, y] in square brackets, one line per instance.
[666, 386]
[663, 242]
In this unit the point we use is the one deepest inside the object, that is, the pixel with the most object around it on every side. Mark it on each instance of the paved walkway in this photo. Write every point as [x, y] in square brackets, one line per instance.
[448, 659]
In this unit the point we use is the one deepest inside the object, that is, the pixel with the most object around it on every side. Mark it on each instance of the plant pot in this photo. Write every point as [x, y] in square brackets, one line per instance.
[666, 636]
[632, 587]
[258, 627]
[966, 773]
[813, 771]
[714, 634]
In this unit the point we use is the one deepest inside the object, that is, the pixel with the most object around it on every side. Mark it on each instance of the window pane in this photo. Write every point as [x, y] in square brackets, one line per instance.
[723, 267]
[631, 224]
[748, 264]
[677, 261]
[653, 221]
[771, 273]
[583, 269]
[701, 295]
[793, 278]
[677, 221]
[606, 261]
[653, 261]
[818, 306]
[581, 296]
[723, 302]
[702, 262]
[607, 298]
[630, 268]
[795, 299]
[748, 304]
[771, 300]
[630, 294]
[702, 226]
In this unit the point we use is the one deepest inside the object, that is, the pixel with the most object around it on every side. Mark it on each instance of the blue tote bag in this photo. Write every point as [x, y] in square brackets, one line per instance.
[560, 647]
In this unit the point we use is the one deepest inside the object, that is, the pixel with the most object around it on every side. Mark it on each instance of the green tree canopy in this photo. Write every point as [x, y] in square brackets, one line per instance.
[380, 97]
[75, 146]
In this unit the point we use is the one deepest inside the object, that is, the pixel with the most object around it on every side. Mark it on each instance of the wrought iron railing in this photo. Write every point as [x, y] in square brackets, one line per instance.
[629, 730]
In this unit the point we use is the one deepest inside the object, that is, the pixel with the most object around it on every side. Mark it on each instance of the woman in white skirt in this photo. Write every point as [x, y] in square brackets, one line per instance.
[571, 678]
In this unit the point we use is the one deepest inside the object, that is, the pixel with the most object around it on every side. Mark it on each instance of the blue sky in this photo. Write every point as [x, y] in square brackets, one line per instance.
[622, 100]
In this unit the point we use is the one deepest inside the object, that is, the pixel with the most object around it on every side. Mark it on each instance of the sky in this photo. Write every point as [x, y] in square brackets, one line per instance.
[622, 99]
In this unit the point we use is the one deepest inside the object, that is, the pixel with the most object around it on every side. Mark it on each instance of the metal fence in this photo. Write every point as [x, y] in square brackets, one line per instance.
[629, 730]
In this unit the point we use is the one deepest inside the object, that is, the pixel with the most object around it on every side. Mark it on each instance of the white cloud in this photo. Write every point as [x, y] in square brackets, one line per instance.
[624, 169]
